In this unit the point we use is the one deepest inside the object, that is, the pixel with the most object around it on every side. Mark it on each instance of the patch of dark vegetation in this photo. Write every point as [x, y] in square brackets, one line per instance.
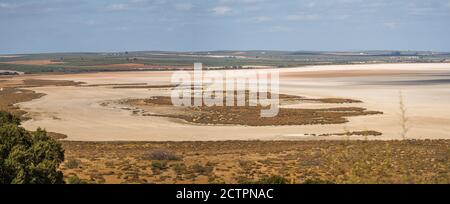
[8, 73]
[7, 118]
[272, 180]
[203, 169]
[250, 115]
[162, 155]
[57, 136]
[317, 181]
[354, 133]
[126, 84]
[158, 166]
[145, 87]
[72, 164]
[76, 180]
[180, 169]
[28, 157]
[288, 97]
[333, 100]
[41, 82]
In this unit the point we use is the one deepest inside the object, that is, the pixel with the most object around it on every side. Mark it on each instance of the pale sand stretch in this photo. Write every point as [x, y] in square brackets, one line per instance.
[76, 111]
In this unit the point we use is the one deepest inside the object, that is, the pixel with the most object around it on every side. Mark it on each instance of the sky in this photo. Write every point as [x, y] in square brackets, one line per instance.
[33, 26]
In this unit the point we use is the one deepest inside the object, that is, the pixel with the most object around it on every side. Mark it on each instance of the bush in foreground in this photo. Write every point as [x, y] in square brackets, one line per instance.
[28, 158]
[8, 118]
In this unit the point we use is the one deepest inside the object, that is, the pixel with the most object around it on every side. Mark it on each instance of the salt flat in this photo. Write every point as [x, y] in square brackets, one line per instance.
[77, 111]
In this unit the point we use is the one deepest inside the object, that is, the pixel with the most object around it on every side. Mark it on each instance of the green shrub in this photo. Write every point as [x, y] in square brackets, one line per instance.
[317, 181]
[28, 158]
[76, 180]
[159, 165]
[203, 170]
[8, 118]
[162, 155]
[72, 164]
[179, 169]
[273, 180]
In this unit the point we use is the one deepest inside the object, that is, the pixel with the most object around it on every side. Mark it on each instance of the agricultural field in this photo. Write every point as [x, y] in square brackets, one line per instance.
[154, 60]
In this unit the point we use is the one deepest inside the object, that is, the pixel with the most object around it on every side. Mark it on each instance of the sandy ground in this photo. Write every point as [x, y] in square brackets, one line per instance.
[76, 111]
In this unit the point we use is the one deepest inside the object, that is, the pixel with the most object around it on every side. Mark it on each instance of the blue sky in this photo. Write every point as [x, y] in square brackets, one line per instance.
[186, 25]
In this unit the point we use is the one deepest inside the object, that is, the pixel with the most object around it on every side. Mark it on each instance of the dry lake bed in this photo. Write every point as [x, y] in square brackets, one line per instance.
[89, 112]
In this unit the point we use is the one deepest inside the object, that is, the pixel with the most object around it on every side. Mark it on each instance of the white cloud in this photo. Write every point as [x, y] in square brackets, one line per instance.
[138, 1]
[7, 6]
[303, 17]
[390, 25]
[250, 1]
[350, 1]
[311, 4]
[241, 1]
[252, 8]
[221, 10]
[342, 17]
[122, 28]
[262, 18]
[117, 7]
[277, 29]
[259, 19]
[183, 6]
[91, 22]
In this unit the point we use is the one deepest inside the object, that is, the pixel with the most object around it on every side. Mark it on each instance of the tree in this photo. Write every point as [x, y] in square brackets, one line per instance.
[28, 157]
[6, 117]
[273, 180]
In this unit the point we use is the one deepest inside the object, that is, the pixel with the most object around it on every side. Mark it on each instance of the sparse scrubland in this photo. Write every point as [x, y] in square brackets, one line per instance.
[405, 161]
